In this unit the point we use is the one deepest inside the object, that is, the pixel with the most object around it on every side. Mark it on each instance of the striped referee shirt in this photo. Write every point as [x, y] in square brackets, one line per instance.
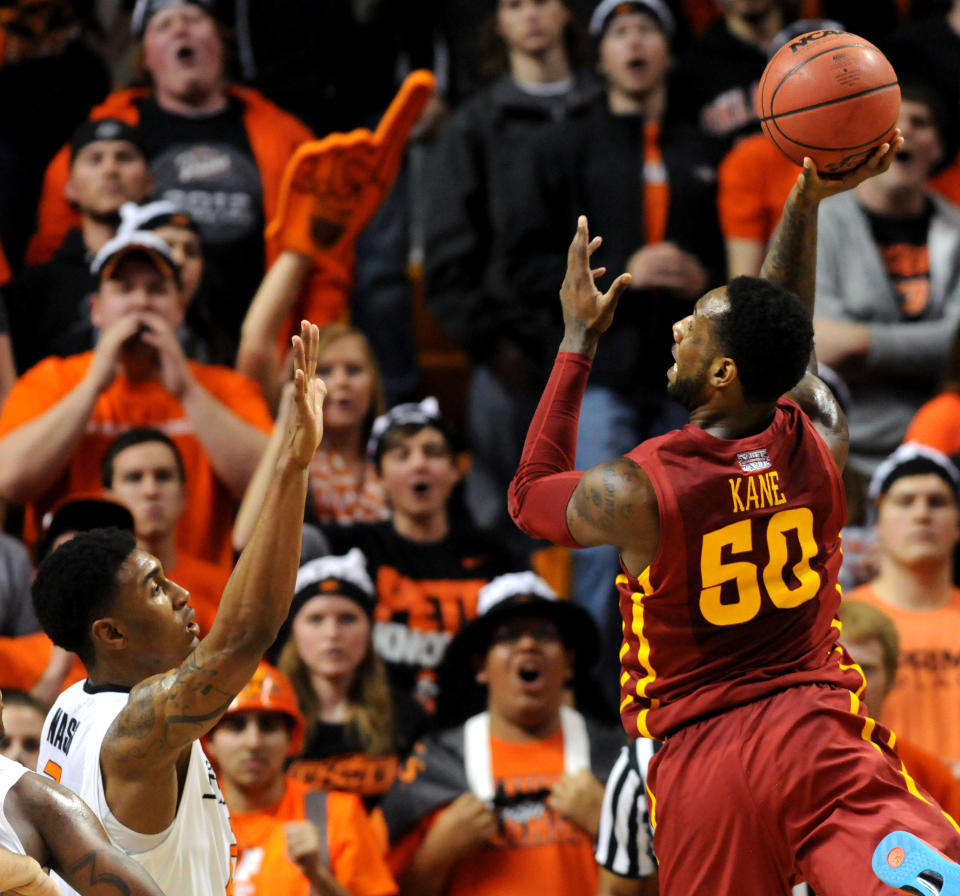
[625, 840]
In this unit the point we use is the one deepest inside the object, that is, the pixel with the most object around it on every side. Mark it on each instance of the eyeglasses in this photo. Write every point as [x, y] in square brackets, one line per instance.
[511, 632]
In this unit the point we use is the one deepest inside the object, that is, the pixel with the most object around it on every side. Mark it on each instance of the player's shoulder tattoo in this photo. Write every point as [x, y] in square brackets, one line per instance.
[819, 403]
[613, 493]
[186, 695]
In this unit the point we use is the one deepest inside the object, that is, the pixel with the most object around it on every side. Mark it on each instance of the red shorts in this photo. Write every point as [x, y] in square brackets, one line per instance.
[801, 785]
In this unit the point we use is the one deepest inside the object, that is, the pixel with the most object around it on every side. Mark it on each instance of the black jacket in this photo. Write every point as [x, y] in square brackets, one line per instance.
[479, 195]
[49, 305]
[594, 166]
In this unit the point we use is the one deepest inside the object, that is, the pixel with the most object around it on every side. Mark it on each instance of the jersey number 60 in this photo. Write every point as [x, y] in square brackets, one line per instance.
[714, 571]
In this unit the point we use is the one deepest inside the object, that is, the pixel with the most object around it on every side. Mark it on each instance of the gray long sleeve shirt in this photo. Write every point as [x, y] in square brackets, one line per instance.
[905, 360]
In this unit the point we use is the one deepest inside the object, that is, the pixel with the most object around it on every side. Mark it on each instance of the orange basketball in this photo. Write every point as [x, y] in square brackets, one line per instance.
[829, 95]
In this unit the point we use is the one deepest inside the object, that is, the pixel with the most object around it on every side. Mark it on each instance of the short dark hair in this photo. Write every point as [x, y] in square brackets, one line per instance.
[769, 335]
[137, 436]
[78, 582]
[915, 88]
[397, 435]
[13, 697]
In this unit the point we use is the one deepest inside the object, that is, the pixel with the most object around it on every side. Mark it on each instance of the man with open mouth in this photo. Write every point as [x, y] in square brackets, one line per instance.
[509, 801]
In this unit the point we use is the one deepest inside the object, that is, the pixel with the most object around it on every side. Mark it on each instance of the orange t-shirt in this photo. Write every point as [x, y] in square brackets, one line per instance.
[924, 703]
[204, 529]
[755, 178]
[535, 849]
[264, 868]
[205, 581]
[24, 658]
[937, 423]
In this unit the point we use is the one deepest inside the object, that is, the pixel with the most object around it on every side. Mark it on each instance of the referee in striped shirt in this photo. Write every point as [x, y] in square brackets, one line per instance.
[625, 840]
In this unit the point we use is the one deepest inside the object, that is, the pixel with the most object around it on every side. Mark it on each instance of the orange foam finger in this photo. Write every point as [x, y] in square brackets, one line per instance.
[401, 115]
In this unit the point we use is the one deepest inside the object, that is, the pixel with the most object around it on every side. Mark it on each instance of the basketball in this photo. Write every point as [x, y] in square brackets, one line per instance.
[829, 95]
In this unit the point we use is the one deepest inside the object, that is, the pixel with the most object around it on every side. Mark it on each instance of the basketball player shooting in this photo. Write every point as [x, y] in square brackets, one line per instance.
[126, 739]
[729, 539]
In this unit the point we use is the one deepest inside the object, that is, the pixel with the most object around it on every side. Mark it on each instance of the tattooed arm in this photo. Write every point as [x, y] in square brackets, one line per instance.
[792, 263]
[61, 832]
[615, 503]
[150, 738]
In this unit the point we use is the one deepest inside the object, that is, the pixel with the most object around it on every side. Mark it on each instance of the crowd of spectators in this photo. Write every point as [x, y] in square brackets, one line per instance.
[448, 684]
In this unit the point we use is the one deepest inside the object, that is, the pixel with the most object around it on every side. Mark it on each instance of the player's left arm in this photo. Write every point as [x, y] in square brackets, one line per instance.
[791, 262]
[818, 402]
[547, 497]
[166, 713]
[70, 839]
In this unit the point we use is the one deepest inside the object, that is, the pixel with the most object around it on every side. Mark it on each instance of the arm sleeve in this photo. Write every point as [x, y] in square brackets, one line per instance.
[403, 850]
[545, 479]
[457, 238]
[23, 660]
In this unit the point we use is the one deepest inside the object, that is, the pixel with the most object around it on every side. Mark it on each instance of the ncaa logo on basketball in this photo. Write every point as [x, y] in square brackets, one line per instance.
[809, 37]
[751, 461]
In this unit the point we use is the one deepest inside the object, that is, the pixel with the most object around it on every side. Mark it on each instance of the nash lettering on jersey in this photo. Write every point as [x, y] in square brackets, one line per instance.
[61, 731]
[756, 492]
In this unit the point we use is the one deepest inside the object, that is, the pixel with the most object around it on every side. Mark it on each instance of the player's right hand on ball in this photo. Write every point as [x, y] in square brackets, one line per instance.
[815, 185]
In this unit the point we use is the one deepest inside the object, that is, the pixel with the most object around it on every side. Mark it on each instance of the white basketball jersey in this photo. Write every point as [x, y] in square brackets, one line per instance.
[10, 773]
[193, 855]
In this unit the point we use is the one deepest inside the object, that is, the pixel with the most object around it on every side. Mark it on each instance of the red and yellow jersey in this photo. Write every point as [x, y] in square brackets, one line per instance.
[740, 600]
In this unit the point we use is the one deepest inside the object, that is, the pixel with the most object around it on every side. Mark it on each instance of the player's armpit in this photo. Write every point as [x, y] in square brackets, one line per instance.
[615, 503]
[818, 402]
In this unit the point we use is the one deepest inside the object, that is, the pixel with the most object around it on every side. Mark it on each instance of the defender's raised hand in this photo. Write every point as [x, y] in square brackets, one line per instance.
[587, 312]
[305, 422]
